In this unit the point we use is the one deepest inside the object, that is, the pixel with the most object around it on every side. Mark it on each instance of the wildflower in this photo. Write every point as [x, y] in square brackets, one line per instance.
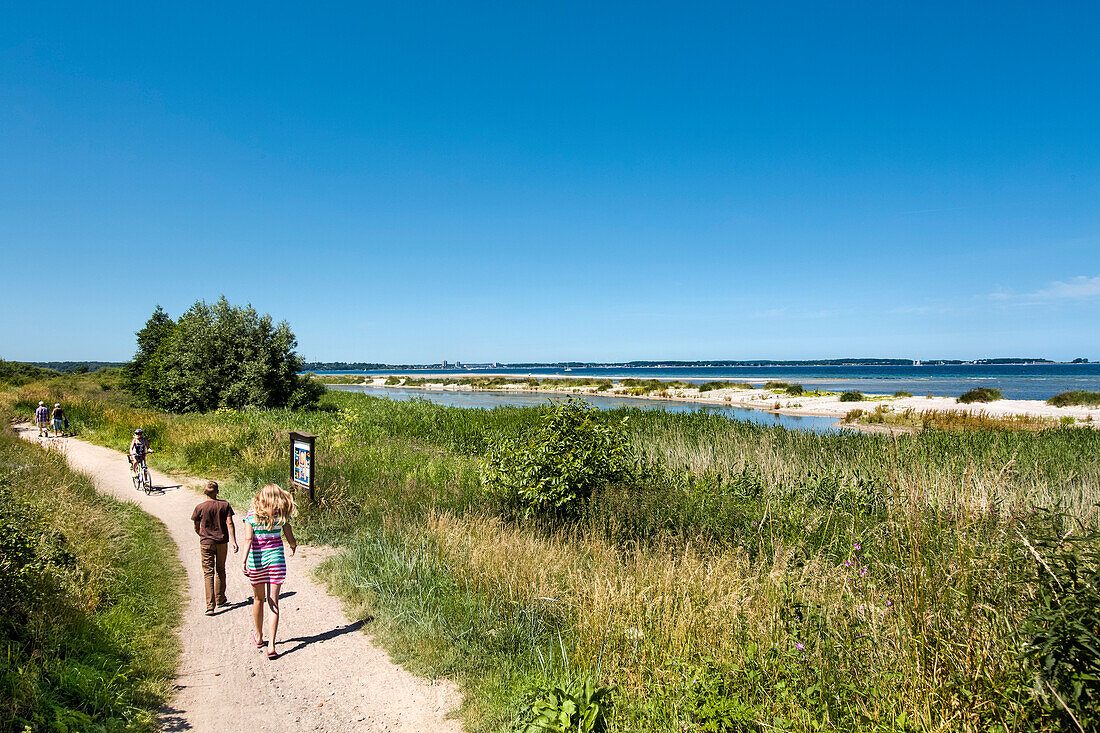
[847, 563]
[799, 647]
[863, 571]
[857, 548]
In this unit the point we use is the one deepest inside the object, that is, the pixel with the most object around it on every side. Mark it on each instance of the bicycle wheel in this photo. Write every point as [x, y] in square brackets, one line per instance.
[147, 482]
[136, 478]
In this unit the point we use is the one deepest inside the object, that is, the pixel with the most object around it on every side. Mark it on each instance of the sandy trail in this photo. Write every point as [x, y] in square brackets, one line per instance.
[328, 677]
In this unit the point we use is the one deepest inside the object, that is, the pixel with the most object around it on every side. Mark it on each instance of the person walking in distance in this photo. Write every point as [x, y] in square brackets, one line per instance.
[213, 520]
[41, 418]
[264, 563]
[58, 417]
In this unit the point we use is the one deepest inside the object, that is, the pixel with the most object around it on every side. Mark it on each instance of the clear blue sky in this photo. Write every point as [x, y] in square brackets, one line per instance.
[412, 181]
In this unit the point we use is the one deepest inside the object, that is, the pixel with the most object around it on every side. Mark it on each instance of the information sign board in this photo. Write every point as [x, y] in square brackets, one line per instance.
[302, 462]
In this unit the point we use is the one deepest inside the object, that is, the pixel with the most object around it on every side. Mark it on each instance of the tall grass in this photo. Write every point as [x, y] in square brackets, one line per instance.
[92, 646]
[789, 579]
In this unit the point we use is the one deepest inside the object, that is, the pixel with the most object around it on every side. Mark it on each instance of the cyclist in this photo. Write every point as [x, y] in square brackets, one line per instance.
[138, 448]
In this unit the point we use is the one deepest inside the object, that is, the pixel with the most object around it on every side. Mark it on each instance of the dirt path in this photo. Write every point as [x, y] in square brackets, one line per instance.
[328, 677]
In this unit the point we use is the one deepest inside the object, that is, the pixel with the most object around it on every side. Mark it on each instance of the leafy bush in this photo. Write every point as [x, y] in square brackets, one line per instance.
[980, 394]
[558, 464]
[391, 380]
[710, 386]
[16, 373]
[1076, 397]
[1064, 630]
[794, 389]
[852, 396]
[903, 393]
[218, 356]
[776, 385]
[582, 708]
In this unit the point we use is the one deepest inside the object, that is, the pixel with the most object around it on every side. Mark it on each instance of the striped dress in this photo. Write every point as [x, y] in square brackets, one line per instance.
[266, 563]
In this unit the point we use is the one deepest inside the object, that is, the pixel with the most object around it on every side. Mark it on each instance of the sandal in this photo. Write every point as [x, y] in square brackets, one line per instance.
[257, 641]
[272, 654]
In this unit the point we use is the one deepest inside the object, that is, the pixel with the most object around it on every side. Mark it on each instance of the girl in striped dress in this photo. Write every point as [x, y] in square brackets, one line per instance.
[264, 564]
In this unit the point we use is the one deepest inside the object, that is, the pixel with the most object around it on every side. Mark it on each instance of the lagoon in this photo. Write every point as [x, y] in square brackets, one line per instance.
[489, 399]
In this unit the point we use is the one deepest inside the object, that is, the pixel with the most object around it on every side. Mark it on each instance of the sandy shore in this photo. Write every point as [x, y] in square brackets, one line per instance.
[824, 404]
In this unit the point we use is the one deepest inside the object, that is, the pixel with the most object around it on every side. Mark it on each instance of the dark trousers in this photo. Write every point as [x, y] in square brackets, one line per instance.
[213, 563]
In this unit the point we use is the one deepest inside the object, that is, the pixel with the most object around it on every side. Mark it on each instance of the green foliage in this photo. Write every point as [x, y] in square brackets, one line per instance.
[1076, 397]
[852, 396]
[142, 375]
[392, 380]
[710, 386]
[31, 554]
[794, 389]
[16, 373]
[218, 356]
[776, 385]
[646, 386]
[558, 464]
[903, 393]
[580, 708]
[981, 394]
[89, 588]
[716, 706]
[1064, 629]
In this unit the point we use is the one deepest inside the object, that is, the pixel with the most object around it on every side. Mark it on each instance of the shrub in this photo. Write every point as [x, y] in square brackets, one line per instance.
[852, 396]
[794, 389]
[392, 380]
[776, 385]
[903, 393]
[980, 394]
[218, 356]
[1064, 630]
[1076, 397]
[558, 464]
[582, 708]
[710, 386]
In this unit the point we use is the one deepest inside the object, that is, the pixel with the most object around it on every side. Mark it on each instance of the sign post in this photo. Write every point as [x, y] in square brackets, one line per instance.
[302, 468]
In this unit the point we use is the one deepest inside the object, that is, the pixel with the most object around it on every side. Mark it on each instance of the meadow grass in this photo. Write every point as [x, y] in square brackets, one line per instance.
[96, 649]
[780, 578]
[952, 419]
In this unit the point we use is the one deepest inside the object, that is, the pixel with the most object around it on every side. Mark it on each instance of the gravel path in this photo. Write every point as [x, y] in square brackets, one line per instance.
[328, 677]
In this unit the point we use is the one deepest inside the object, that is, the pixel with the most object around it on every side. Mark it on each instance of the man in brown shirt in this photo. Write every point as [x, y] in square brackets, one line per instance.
[213, 520]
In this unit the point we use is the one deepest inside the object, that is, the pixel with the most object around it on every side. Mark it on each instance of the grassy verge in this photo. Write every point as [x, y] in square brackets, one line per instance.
[87, 642]
[742, 578]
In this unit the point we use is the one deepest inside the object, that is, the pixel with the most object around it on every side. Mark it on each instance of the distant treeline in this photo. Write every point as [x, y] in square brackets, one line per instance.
[76, 366]
[350, 366]
[358, 366]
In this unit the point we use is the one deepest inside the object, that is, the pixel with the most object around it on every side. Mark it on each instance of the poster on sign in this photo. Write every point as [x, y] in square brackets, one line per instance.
[301, 463]
[302, 469]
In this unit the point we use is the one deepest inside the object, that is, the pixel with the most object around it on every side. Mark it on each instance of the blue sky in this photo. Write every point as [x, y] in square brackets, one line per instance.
[411, 182]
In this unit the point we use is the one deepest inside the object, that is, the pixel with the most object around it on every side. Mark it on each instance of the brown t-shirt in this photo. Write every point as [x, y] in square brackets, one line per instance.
[212, 515]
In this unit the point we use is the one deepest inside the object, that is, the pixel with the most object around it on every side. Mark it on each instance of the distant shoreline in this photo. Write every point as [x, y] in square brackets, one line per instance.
[824, 404]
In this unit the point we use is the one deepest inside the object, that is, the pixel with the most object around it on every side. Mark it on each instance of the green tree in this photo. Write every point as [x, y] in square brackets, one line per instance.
[220, 355]
[139, 375]
[558, 464]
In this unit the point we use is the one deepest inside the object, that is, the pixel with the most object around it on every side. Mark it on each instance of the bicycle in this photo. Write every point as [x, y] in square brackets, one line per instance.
[139, 474]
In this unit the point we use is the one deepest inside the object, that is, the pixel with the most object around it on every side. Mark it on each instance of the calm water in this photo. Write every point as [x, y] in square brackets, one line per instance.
[485, 398]
[1022, 382]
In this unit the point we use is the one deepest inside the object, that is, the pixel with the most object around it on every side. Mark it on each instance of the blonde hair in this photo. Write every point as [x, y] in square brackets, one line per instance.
[271, 506]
